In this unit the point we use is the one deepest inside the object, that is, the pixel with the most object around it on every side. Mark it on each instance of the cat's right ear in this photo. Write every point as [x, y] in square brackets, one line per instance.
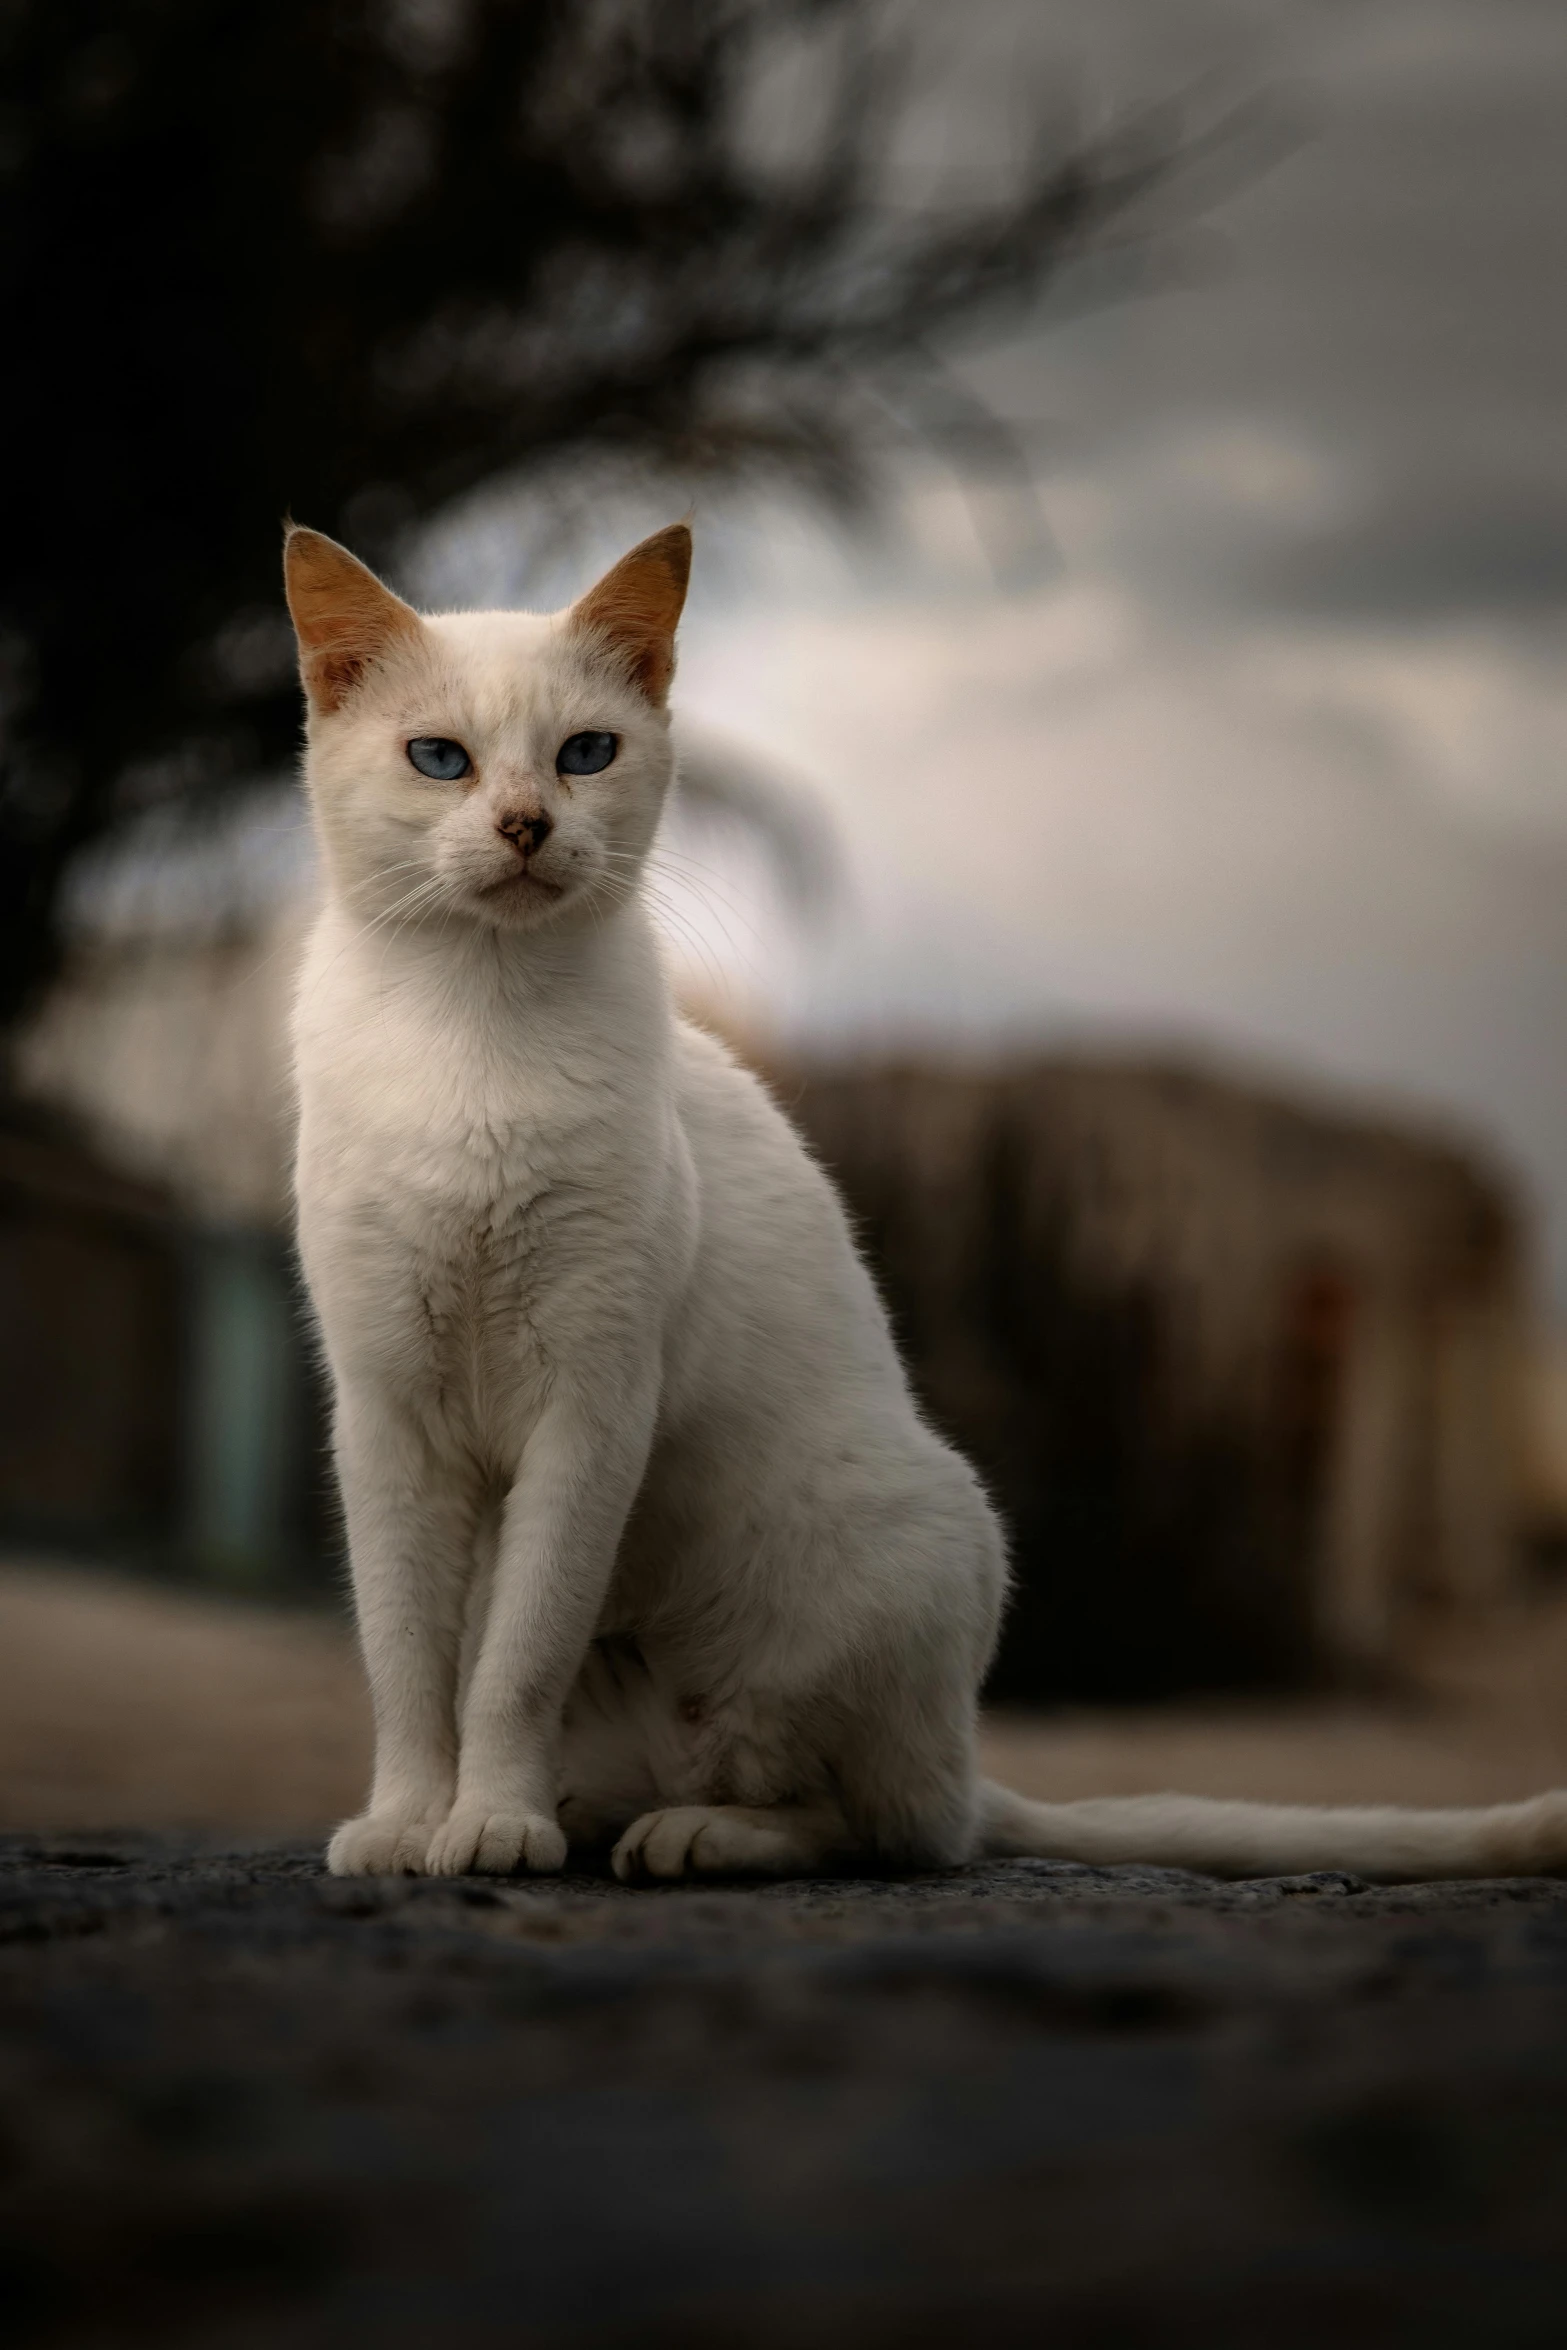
[345, 620]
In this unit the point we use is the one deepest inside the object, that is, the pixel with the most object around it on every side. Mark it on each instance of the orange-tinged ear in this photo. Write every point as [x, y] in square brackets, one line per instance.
[345, 620]
[636, 607]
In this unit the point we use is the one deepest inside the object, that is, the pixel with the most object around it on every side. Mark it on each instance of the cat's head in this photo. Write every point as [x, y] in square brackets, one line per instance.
[505, 767]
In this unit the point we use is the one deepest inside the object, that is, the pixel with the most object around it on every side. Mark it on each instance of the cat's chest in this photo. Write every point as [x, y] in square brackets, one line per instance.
[475, 1292]
[472, 1310]
[461, 1159]
[482, 1242]
[455, 1259]
[475, 1207]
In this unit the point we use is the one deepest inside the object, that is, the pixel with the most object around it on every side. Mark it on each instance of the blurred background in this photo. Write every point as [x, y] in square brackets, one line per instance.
[1124, 810]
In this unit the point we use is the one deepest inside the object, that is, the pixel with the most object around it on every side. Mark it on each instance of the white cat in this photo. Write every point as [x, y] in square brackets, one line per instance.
[650, 1543]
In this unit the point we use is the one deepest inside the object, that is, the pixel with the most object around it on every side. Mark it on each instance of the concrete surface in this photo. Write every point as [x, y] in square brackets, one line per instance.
[242, 2105]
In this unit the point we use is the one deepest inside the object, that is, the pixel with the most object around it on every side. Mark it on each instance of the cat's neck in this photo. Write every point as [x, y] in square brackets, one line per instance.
[548, 985]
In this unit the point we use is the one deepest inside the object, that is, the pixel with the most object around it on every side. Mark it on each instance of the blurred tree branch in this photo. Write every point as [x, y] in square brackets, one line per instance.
[357, 258]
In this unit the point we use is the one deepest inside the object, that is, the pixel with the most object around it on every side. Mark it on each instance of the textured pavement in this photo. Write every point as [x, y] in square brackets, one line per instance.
[242, 2105]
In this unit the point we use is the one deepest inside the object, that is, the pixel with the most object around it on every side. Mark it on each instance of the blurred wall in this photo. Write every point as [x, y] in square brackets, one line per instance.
[159, 1402]
[1246, 1376]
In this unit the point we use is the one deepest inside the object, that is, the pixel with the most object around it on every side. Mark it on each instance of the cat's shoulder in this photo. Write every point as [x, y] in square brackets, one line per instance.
[723, 1100]
[708, 1071]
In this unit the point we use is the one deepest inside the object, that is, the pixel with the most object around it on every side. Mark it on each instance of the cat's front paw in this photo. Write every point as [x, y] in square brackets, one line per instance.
[391, 1843]
[477, 1841]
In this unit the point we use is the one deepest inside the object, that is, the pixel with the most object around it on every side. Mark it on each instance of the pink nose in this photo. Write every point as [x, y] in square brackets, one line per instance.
[526, 833]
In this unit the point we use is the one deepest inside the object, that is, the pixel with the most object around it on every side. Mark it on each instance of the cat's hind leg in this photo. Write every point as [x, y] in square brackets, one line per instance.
[733, 1840]
[607, 1778]
[903, 1797]
[885, 1773]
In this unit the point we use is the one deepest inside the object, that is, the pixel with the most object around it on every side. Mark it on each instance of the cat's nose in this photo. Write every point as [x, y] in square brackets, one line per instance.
[525, 831]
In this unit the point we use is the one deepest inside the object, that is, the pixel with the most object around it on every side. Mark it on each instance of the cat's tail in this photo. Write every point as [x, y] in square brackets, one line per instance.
[1275, 1840]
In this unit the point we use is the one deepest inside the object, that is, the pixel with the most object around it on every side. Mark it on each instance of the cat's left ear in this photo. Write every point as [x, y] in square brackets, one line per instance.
[345, 620]
[635, 609]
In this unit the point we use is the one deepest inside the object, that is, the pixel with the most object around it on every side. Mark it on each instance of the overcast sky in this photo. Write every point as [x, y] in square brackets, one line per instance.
[1269, 758]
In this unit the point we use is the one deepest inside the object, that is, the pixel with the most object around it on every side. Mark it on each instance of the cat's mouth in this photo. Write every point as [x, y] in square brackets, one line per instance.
[523, 884]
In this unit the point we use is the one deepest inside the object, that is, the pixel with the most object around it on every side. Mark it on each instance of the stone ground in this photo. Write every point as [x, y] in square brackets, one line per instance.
[247, 2107]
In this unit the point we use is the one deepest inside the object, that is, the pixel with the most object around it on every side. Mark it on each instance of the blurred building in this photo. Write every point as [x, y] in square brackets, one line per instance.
[158, 1400]
[164, 1404]
[90, 1282]
[1247, 1377]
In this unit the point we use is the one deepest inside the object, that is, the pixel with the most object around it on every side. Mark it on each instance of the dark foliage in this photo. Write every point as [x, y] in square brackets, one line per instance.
[355, 258]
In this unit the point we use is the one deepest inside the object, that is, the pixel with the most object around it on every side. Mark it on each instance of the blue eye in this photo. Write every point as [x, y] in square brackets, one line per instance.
[442, 760]
[586, 754]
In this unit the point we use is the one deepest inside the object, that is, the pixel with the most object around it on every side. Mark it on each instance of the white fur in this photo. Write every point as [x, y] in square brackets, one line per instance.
[649, 1540]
